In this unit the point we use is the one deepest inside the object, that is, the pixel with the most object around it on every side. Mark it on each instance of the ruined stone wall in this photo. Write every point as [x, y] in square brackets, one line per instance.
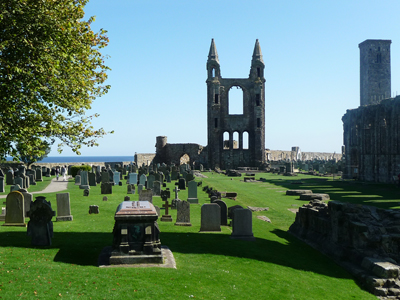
[372, 141]
[144, 158]
[276, 155]
[363, 239]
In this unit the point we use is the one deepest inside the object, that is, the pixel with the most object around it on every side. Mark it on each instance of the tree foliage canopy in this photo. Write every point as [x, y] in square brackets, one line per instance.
[51, 70]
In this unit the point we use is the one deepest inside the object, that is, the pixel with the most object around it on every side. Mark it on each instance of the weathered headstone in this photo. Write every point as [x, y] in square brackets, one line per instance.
[28, 197]
[40, 226]
[92, 179]
[242, 226]
[15, 211]
[86, 192]
[224, 211]
[2, 190]
[150, 181]
[174, 175]
[164, 197]
[140, 188]
[116, 177]
[77, 179]
[192, 192]
[133, 178]
[143, 180]
[18, 180]
[183, 214]
[94, 209]
[105, 198]
[127, 198]
[15, 187]
[63, 207]
[84, 180]
[182, 184]
[210, 217]
[106, 188]
[10, 178]
[105, 177]
[146, 195]
[156, 188]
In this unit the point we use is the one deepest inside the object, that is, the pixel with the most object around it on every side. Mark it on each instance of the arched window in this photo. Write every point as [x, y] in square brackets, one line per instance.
[226, 140]
[245, 140]
[235, 99]
[236, 140]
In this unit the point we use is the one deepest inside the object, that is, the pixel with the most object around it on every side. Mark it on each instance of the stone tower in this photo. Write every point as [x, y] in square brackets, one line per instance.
[375, 78]
[250, 124]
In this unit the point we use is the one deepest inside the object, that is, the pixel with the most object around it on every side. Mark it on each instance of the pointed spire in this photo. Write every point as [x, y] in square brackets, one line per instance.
[257, 55]
[213, 55]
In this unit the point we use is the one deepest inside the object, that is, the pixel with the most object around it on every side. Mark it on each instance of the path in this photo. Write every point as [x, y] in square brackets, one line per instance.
[54, 186]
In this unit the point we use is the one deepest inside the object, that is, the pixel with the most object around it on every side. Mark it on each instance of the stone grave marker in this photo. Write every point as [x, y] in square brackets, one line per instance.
[10, 178]
[242, 225]
[156, 188]
[174, 175]
[63, 207]
[150, 181]
[176, 199]
[40, 226]
[143, 179]
[192, 192]
[84, 180]
[210, 217]
[28, 198]
[116, 177]
[106, 188]
[94, 209]
[133, 178]
[164, 197]
[189, 177]
[183, 213]
[182, 184]
[92, 179]
[129, 189]
[18, 180]
[86, 192]
[127, 198]
[140, 188]
[105, 198]
[15, 187]
[77, 179]
[146, 195]
[224, 211]
[105, 177]
[15, 211]
[2, 190]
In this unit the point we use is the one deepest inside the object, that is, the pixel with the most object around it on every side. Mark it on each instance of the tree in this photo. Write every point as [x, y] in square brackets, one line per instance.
[28, 159]
[51, 70]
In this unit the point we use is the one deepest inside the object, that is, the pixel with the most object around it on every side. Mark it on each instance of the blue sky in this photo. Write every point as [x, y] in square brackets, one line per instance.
[158, 52]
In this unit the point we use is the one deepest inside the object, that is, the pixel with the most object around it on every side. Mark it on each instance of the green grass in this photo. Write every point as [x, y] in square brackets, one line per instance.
[209, 265]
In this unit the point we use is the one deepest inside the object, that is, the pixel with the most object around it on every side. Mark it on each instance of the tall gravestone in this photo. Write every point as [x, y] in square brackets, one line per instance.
[156, 188]
[210, 217]
[77, 179]
[18, 180]
[106, 188]
[63, 207]
[15, 211]
[84, 180]
[182, 184]
[183, 214]
[105, 177]
[9, 178]
[2, 190]
[40, 226]
[39, 174]
[242, 226]
[133, 178]
[116, 177]
[150, 181]
[140, 188]
[28, 198]
[192, 192]
[143, 180]
[92, 179]
[224, 211]
[15, 187]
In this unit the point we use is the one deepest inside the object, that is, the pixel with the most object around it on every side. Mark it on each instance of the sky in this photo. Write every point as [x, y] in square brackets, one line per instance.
[158, 52]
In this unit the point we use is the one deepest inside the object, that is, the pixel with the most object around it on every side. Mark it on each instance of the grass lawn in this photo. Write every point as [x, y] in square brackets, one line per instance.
[209, 265]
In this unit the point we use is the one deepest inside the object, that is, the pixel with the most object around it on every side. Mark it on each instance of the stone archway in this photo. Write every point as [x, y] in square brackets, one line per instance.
[184, 159]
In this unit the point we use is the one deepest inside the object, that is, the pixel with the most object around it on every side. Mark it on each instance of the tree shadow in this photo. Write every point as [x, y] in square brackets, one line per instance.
[84, 248]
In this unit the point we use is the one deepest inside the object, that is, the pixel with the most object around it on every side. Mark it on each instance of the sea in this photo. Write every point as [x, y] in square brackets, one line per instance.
[82, 159]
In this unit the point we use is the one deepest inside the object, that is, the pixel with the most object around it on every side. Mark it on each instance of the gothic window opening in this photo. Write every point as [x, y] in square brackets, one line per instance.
[257, 99]
[216, 122]
[213, 72]
[216, 98]
[245, 139]
[226, 140]
[258, 72]
[235, 100]
[236, 140]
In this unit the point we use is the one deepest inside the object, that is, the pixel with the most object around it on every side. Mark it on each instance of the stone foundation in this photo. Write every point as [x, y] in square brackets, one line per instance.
[363, 239]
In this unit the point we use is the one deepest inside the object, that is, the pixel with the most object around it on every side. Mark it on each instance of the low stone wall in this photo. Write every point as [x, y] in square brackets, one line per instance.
[363, 239]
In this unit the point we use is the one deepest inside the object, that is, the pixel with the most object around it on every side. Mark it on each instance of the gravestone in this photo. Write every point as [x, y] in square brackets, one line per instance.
[98, 177]
[189, 177]
[143, 180]
[111, 176]
[133, 178]
[28, 197]
[182, 184]
[40, 226]
[63, 207]
[94, 209]
[15, 211]
[136, 234]
[183, 213]
[167, 176]
[140, 188]
[15, 187]
[2, 185]
[116, 177]
[156, 188]
[129, 189]
[242, 226]
[105, 198]
[92, 179]
[224, 211]
[105, 177]
[32, 179]
[174, 175]
[192, 192]
[146, 195]
[150, 181]
[84, 181]
[106, 188]
[164, 197]
[201, 168]
[86, 192]
[77, 179]
[210, 217]
[18, 180]
[127, 198]
[9, 178]
[176, 199]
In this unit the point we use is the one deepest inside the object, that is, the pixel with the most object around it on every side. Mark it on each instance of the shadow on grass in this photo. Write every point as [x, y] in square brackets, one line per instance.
[385, 196]
[83, 248]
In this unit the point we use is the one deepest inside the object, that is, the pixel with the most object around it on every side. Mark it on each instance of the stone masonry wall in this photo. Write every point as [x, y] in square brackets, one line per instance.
[363, 239]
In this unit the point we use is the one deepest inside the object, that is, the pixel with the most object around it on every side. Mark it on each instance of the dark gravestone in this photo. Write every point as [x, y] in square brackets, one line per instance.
[40, 226]
[15, 212]
[94, 209]
[224, 211]
[242, 226]
[210, 217]
[183, 214]
[106, 188]
[182, 184]
[232, 209]
[92, 179]
[2, 183]
[86, 192]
